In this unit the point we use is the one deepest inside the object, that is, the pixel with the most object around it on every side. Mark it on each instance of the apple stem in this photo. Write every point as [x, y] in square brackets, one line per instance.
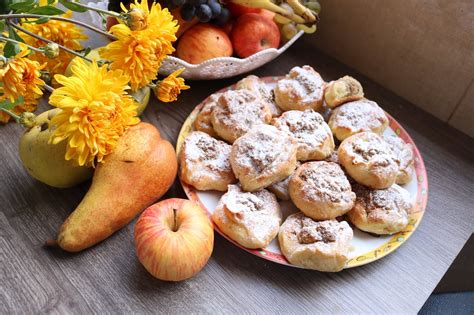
[175, 227]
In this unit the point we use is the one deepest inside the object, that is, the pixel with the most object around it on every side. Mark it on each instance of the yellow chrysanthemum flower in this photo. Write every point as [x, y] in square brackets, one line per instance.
[169, 89]
[96, 111]
[20, 77]
[62, 33]
[139, 52]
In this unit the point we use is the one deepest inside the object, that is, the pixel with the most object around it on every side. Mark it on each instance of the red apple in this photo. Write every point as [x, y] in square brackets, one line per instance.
[174, 239]
[203, 42]
[253, 33]
[228, 26]
[238, 10]
[267, 14]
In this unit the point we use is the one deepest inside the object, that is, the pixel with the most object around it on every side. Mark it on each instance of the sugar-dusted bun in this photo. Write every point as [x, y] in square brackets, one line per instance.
[263, 156]
[302, 88]
[252, 219]
[343, 90]
[310, 131]
[368, 159]
[238, 111]
[382, 211]
[257, 86]
[321, 190]
[404, 152]
[203, 120]
[357, 116]
[322, 246]
[204, 162]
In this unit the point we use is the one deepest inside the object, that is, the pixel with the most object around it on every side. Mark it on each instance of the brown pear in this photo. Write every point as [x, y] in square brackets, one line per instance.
[139, 171]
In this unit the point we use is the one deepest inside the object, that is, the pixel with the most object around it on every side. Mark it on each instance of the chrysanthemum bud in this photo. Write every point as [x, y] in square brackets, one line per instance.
[51, 50]
[27, 119]
[136, 19]
[45, 76]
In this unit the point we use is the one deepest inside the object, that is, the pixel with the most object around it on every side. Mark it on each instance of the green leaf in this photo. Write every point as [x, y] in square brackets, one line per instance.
[7, 104]
[11, 49]
[51, 1]
[46, 10]
[2, 26]
[71, 6]
[87, 51]
[14, 35]
[24, 6]
[41, 20]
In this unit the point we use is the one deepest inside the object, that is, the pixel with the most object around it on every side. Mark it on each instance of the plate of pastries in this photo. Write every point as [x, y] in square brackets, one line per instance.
[303, 172]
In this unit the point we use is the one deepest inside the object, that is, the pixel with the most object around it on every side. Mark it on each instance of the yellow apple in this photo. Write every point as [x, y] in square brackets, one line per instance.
[174, 239]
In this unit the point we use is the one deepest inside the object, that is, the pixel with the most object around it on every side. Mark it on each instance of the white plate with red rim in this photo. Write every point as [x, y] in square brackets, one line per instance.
[366, 247]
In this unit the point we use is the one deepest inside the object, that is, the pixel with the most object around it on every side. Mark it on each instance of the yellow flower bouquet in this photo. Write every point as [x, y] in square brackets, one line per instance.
[42, 50]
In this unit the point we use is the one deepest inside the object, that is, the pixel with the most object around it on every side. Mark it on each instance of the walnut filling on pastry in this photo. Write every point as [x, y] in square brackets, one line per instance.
[343, 90]
[250, 218]
[319, 245]
[237, 112]
[368, 159]
[310, 131]
[301, 89]
[254, 84]
[263, 156]
[357, 116]
[381, 211]
[321, 190]
[205, 162]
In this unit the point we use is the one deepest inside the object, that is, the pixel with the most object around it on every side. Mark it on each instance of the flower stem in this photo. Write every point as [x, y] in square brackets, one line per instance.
[21, 29]
[48, 88]
[6, 39]
[12, 114]
[57, 18]
[111, 13]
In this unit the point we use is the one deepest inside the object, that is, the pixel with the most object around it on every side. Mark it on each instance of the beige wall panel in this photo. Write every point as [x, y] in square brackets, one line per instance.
[423, 50]
[463, 117]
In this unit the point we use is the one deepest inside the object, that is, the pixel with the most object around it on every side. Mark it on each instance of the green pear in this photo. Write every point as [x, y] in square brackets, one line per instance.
[45, 161]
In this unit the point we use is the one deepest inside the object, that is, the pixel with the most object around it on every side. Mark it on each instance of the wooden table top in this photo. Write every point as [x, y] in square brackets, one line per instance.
[109, 278]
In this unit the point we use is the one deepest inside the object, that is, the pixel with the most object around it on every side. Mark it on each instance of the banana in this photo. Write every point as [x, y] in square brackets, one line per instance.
[307, 29]
[268, 5]
[301, 10]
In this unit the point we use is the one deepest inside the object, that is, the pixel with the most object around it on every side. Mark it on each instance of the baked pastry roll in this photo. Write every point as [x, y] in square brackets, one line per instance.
[404, 152]
[343, 90]
[203, 120]
[204, 162]
[382, 211]
[357, 116]
[321, 190]
[301, 89]
[312, 134]
[263, 156]
[252, 219]
[322, 246]
[368, 159]
[257, 86]
[238, 111]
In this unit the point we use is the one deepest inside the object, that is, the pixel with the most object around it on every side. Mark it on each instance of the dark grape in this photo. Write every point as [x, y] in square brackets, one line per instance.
[204, 13]
[188, 11]
[216, 8]
[196, 2]
[223, 17]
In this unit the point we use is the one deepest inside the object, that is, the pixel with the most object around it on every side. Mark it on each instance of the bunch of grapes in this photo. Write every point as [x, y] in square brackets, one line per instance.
[204, 10]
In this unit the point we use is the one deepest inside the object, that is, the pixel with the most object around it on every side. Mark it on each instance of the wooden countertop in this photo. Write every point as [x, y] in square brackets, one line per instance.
[109, 278]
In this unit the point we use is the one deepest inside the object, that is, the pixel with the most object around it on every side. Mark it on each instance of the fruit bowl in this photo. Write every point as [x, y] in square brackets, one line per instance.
[224, 67]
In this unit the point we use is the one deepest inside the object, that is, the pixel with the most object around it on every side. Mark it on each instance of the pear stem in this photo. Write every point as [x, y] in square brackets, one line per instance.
[175, 224]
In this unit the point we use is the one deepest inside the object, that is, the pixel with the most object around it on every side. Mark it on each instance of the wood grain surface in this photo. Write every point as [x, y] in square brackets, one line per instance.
[109, 279]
